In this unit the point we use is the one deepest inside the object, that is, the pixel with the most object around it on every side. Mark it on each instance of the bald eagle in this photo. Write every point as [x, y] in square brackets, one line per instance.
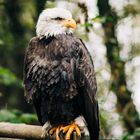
[59, 77]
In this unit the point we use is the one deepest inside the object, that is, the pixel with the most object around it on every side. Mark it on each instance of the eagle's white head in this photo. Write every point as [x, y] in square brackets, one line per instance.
[54, 21]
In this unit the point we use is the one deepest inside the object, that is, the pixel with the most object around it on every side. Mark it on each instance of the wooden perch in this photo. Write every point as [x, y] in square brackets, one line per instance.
[24, 131]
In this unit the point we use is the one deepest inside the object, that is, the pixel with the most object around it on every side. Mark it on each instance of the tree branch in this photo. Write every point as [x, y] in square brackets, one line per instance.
[22, 131]
[30, 132]
[125, 106]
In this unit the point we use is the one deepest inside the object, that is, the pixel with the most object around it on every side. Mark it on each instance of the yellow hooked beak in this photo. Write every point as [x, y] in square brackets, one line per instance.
[70, 23]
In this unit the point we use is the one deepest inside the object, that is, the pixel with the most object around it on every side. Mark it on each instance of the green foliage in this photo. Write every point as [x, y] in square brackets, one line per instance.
[1, 42]
[87, 24]
[8, 116]
[8, 78]
[134, 136]
[98, 19]
[28, 118]
[16, 116]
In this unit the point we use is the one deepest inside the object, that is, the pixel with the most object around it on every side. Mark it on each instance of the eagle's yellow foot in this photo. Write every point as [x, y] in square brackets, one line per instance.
[52, 130]
[55, 130]
[69, 129]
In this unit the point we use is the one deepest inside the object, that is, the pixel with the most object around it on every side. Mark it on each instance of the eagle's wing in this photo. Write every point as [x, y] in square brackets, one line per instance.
[41, 75]
[29, 85]
[86, 83]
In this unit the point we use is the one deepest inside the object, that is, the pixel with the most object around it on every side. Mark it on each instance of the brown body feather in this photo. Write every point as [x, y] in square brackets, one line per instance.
[59, 77]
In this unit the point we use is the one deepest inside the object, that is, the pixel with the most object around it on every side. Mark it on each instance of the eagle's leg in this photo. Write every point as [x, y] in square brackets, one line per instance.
[46, 127]
[69, 129]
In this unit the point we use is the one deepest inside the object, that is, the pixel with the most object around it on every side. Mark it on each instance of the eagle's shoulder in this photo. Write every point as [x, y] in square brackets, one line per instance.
[33, 41]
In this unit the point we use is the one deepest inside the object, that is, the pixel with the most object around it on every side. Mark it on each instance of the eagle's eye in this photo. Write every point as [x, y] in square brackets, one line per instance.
[58, 18]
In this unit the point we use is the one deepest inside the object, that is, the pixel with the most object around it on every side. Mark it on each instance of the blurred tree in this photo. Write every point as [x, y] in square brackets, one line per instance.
[39, 6]
[15, 33]
[13, 12]
[125, 106]
[11, 32]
